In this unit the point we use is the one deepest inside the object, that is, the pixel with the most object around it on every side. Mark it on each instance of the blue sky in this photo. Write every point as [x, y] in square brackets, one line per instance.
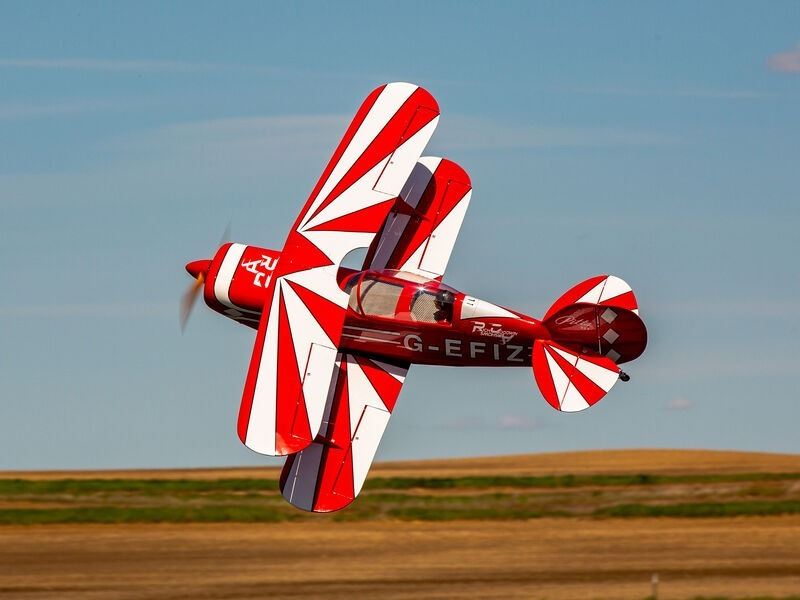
[658, 142]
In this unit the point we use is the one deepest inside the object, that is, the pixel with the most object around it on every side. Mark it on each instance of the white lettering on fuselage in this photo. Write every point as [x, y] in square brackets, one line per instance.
[412, 342]
[515, 350]
[454, 348]
[267, 265]
[493, 330]
[572, 321]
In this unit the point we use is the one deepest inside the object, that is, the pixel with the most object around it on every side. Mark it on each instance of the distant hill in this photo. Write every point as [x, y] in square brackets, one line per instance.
[650, 461]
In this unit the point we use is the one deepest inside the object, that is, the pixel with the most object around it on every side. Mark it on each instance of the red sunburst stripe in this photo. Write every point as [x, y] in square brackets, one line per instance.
[328, 315]
[447, 188]
[588, 389]
[626, 300]
[449, 182]
[572, 295]
[367, 219]
[417, 111]
[361, 114]
[544, 379]
[385, 385]
[415, 234]
[300, 255]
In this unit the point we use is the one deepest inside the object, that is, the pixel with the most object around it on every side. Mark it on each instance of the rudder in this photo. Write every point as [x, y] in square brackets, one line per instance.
[599, 316]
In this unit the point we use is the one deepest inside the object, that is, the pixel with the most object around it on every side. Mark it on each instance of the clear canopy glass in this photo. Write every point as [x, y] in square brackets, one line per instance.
[401, 295]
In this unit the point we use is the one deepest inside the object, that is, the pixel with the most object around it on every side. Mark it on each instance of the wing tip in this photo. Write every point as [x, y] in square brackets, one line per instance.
[424, 97]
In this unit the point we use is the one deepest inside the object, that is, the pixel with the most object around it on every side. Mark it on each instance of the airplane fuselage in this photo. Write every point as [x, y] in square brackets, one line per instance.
[490, 336]
[479, 344]
[390, 314]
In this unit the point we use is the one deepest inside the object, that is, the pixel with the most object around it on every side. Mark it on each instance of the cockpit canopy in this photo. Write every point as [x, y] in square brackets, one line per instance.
[399, 295]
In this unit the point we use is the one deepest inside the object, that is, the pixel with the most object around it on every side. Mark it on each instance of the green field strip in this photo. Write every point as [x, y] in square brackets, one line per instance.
[417, 508]
[34, 487]
[568, 481]
[141, 486]
[160, 514]
[703, 509]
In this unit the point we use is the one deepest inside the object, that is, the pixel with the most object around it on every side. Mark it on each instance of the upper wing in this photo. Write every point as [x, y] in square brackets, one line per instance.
[419, 236]
[295, 348]
[329, 474]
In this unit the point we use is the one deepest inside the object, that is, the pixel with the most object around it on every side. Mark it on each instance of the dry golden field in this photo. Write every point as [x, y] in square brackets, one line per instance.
[466, 536]
[576, 463]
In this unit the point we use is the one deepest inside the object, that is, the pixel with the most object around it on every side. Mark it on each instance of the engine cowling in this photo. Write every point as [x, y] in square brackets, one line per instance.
[238, 280]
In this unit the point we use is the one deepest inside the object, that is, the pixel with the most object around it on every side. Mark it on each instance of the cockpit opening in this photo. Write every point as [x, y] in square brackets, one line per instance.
[399, 295]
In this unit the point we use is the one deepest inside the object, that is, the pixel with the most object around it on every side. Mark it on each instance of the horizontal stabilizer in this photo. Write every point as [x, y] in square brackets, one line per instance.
[571, 381]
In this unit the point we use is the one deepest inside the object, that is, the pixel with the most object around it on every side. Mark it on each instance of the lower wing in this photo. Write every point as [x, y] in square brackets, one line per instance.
[329, 474]
[420, 232]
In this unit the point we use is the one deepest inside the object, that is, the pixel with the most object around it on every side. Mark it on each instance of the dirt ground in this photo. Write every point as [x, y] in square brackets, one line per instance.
[544, 558]
[549, 558]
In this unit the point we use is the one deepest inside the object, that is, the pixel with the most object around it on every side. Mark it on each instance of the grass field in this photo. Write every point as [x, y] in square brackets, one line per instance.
[575, 525]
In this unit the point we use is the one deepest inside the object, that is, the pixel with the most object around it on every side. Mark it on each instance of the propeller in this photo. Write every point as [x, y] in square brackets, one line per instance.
[199, 270]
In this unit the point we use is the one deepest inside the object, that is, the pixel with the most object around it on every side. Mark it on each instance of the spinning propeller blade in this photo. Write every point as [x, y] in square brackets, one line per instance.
[199, 270]
[189, 298]
[226, 235]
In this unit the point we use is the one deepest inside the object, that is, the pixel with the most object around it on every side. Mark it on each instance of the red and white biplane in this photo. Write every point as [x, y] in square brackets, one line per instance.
[334, 345]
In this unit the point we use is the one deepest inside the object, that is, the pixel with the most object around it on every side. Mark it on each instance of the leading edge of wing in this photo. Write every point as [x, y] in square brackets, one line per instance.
[280, 413]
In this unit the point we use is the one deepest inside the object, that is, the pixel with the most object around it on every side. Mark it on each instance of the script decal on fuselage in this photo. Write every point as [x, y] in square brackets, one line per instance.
[493, 330]
[262, 269]
[575, 322]
[456, 348]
